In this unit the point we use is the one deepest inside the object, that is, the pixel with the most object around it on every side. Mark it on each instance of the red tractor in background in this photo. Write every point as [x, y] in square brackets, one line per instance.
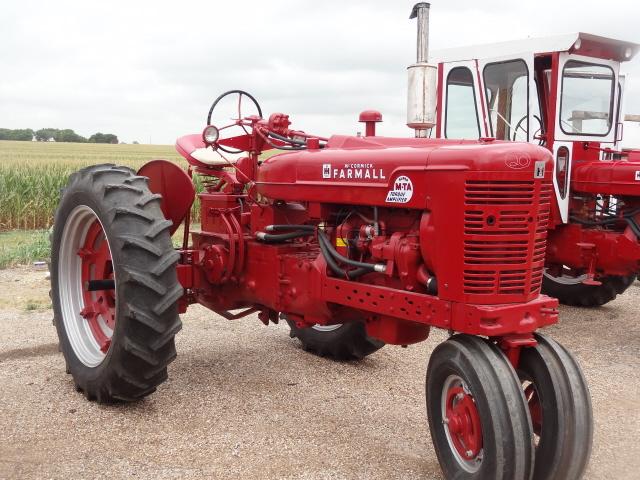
[357, 242]
[564, 93]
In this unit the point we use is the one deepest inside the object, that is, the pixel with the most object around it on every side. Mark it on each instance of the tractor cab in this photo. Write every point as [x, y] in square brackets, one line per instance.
[564, 93]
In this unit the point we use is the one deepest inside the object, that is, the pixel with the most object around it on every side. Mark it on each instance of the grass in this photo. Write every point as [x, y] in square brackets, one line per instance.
[32, 305]
[19, 247]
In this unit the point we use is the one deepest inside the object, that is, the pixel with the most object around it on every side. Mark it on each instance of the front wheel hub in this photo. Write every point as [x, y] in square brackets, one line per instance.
[462, 423]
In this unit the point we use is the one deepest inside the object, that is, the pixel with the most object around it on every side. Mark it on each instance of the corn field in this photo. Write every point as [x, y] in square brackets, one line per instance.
[33, 173]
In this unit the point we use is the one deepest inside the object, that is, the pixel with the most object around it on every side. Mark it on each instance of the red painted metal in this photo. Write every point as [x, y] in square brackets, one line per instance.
[619, 178]
[175, 186]
[99, 306]
[463, 423]
[604, 48]
[582, 241]
[370, 118]
[455, 212]
[187, 145]
[603, 251]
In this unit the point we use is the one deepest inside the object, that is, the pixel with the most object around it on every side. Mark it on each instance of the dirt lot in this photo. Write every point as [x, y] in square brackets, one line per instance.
[244, 401]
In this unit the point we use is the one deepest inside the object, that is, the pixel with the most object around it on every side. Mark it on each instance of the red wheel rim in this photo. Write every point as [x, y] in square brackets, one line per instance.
[100, 305]
[462, 423]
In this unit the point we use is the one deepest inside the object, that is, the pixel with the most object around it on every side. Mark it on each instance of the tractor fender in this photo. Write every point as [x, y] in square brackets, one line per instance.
[176, 187]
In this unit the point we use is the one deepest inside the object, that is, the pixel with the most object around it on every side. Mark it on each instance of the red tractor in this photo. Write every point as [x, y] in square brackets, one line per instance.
[357, 242]
[564, 93]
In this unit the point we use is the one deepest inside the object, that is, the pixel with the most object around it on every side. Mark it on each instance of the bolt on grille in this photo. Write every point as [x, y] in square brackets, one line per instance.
[505, 232]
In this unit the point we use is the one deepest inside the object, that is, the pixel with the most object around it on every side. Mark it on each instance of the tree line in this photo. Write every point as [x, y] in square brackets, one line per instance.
[55, 134]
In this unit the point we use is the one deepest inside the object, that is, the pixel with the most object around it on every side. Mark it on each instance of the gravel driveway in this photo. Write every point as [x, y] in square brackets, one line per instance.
[244, 401]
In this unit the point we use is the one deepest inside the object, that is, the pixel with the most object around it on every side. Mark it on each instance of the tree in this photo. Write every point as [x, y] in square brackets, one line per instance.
[68, 135]
[20, 134]
[103, 138]
[46, 134]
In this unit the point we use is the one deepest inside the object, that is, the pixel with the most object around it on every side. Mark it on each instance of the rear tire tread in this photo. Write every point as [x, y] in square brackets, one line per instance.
[349, 342]
[580, 295]
[147, 285]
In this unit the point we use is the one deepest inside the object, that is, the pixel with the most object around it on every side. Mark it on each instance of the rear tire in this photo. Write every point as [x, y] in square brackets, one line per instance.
[116, 342]
[580, 295]
[343, 342]
[560, 407]
[478, 416]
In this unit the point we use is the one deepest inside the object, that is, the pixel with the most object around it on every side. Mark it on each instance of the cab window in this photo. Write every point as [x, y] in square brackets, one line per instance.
[461, 117]
[586, 106]
[507, 91]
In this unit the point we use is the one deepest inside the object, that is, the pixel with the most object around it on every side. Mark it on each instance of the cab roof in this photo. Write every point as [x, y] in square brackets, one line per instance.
[579, 43]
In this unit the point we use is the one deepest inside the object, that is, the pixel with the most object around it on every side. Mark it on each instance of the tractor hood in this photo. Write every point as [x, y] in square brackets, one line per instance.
[392, 171]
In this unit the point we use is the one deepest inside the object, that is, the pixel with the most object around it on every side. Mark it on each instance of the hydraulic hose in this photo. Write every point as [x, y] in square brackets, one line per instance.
[607, 221]
[268, 237]
[293, 141]
[287, 139]
[635, 228]
[333, 265]
[374, 267]
[627, 217]
[277, 228]
[331, 256]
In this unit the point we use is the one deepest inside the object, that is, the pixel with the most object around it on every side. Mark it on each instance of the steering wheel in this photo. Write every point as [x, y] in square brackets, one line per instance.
[240, 94]
[520, 127]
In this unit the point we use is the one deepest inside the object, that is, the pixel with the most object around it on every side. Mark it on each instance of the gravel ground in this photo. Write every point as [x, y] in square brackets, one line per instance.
[244, 401]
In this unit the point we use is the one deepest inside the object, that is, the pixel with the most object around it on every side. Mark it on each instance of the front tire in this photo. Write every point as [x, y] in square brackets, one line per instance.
[341, 342]
[478, 416]
[560, 407]
[114, 284]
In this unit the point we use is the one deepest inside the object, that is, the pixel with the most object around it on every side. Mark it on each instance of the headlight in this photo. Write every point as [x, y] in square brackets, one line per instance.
[210, 135]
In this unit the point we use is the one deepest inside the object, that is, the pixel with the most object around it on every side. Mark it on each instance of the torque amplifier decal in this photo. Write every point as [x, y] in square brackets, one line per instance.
[402, 190]
[637, 175]
[353, 171]
[539, 169]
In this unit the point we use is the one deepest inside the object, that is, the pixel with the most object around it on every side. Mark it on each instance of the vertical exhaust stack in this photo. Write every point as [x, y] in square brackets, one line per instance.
[422, 78]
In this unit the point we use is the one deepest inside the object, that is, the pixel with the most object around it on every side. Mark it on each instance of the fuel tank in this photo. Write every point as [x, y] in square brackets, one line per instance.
[401, 172]
[620, 177]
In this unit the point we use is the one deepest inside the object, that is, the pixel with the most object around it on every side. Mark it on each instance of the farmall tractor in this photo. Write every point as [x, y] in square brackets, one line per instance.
[357, 242]
[564, 93]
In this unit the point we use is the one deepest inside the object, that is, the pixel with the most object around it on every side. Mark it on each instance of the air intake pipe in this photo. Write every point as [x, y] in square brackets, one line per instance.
[422, 78]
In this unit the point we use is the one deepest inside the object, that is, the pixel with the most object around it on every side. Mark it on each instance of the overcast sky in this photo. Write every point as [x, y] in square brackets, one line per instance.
[148, 70]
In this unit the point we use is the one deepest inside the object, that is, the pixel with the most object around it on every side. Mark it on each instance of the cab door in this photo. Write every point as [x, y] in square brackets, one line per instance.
[586, 111]
[587, 102]
[509, 94]
[461, 116]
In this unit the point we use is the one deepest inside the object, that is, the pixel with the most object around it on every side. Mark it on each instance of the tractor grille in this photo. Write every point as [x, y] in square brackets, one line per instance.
[505, 232]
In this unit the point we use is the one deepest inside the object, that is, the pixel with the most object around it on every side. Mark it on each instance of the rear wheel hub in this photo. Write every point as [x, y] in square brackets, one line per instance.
[99, 306]
[87, 286]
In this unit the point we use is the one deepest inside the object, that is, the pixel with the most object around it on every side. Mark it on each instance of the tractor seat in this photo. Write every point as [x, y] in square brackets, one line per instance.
[193, 148]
